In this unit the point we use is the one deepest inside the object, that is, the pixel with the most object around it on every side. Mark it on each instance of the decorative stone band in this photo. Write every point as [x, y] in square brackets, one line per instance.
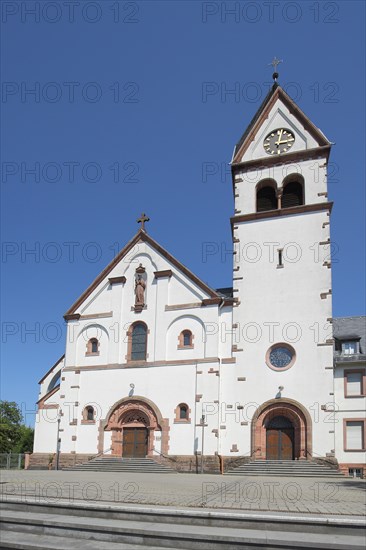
[141, 364]
[295, 156]
[183, 306]
[283, 212]
[97, 315]
[205, 302]
[77, 316]
[211, 301]
[42, 402]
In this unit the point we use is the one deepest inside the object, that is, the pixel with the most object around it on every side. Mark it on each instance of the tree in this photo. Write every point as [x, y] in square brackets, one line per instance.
[25, 440]
[14, 435]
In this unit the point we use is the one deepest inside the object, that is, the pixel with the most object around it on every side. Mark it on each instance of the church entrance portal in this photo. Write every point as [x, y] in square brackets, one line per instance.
[280, 439]
[281, 430]
[137, 429]
[135, 442]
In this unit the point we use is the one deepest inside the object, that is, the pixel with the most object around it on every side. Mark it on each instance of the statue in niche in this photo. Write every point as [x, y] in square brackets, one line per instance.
[140, 286]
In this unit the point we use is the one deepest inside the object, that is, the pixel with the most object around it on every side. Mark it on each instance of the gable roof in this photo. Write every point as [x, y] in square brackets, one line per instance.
[141, 236]
[276, 92]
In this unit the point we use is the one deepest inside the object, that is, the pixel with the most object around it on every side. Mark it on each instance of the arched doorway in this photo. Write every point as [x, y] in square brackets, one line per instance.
[135, 434]
[281, 430]
[280, 439]
[137, 429]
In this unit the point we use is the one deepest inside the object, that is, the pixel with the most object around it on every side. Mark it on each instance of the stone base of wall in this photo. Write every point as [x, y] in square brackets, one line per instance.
[180, 463]
[344, 468]
[190, 463]
[47, 461]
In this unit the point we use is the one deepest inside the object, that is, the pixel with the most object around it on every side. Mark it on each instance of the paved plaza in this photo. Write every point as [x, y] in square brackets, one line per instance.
[265, 494]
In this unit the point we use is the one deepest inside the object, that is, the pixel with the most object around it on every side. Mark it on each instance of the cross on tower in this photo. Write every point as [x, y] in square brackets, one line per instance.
[143, 219]
[275, 62]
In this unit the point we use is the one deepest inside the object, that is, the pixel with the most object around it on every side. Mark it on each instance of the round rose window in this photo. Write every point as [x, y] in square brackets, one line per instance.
[280, 357]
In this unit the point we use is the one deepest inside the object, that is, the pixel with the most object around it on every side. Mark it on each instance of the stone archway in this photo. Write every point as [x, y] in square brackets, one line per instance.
[295, 413]
[138, 415]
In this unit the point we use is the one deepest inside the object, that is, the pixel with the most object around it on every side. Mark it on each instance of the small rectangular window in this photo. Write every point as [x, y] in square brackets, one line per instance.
[280, 257]
[353, 383]
[354, 435]
[350, 348]
[355, 472]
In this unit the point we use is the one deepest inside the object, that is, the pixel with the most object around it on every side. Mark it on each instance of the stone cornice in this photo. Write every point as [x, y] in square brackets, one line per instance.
[144, 364]
[289, 158]
[72, 316]
[165, 273]
[316, 207]
[117, 280]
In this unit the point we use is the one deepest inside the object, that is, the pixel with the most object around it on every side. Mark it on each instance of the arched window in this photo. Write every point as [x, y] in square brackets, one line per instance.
[138, 342]
[55, 381]
[89, 414]
[92, 347]
[266, 199]
[185, 339]
[293, 194]
[182, 413]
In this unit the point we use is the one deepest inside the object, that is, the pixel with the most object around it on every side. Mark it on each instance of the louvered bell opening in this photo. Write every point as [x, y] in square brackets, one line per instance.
[266, 199]
[292, 195]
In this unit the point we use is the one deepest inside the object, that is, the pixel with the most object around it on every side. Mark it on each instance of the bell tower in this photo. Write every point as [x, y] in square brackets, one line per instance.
[282, 283]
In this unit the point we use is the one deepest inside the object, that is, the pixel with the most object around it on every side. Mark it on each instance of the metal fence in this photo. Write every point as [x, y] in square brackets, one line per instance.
[11, 461]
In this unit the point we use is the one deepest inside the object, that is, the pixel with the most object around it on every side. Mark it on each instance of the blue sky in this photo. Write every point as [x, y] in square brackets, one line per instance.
[131, 111]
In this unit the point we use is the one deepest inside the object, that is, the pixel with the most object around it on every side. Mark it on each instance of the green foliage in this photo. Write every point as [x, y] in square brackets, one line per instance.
[15, 437]
[25, 441]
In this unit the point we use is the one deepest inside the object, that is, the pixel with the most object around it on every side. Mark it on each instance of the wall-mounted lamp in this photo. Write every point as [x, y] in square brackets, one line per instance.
[278, 395]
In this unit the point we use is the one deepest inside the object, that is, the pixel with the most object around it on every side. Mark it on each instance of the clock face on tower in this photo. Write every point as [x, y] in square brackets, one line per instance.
[279, 141]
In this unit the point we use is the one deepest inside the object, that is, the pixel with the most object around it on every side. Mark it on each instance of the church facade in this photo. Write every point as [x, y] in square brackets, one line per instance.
[158, 364]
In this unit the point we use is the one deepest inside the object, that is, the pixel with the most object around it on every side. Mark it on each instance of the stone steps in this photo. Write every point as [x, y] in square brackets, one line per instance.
[284, 468]
[30, 526]
[12, 540]
[114, 464]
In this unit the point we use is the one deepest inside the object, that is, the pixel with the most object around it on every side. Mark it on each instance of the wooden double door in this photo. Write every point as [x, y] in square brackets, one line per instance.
[280, 436]
[135, 442]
